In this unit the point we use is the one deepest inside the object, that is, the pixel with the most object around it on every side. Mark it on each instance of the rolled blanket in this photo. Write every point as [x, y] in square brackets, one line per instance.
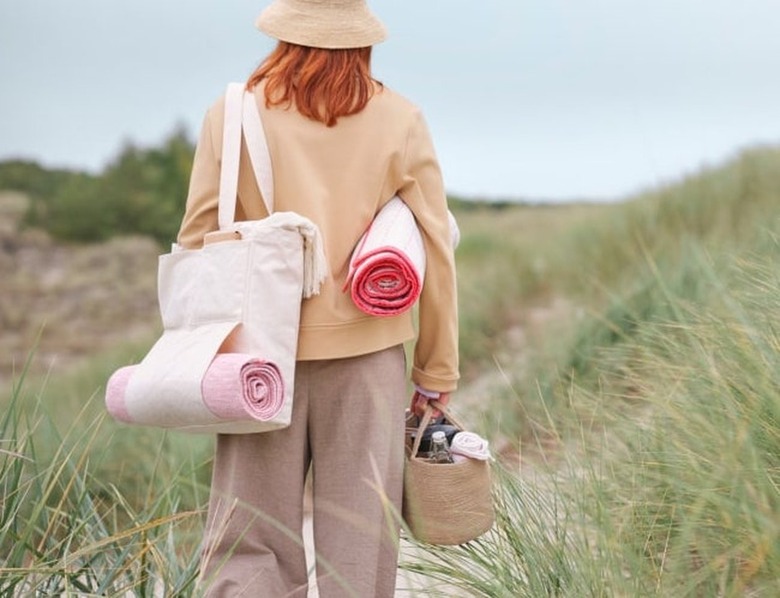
[471, 445]
[115, 394]
[236, 387]
[388, 265]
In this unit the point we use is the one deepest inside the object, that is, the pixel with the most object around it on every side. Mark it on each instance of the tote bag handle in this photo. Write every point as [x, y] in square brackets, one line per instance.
[241, 113]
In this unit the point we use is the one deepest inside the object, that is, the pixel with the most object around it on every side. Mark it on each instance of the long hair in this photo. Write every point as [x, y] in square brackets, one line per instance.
[322, 84]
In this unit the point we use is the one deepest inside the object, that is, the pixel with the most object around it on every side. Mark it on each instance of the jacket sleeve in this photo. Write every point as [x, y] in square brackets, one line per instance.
[436, 350]
[200, 215]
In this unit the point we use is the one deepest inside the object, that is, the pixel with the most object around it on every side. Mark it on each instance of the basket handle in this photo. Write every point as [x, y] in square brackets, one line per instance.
[430, 407]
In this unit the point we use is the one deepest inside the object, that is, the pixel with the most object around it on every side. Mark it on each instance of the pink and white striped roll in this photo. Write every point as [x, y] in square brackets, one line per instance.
[236, 387]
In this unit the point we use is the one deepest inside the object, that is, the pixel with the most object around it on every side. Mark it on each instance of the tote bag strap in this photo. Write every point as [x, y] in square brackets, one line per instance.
[241, 112]
[231, 152]
[257, 144]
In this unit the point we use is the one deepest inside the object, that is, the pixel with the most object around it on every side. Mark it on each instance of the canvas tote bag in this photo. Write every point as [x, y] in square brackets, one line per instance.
[237, 296]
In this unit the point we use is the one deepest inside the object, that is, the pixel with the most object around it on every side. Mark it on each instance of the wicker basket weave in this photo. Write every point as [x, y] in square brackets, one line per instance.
[449, 503]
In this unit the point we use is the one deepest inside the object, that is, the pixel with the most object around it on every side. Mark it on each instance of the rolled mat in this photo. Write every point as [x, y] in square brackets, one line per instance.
[388, 265]
[236, 387]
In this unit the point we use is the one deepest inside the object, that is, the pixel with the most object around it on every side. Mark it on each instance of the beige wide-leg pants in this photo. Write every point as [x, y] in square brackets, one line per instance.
[348, 423]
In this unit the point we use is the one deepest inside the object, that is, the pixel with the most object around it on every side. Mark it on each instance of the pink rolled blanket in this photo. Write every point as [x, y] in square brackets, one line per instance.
[388, 265]
[236, 387]
[388, 284]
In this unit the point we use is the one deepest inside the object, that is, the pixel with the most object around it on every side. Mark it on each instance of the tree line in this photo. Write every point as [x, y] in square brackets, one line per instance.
[141, 191]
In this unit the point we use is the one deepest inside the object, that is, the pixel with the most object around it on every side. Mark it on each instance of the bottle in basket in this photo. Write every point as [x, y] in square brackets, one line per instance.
[440, 448]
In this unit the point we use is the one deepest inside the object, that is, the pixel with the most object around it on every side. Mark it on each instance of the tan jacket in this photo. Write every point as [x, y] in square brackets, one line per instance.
[340, 177]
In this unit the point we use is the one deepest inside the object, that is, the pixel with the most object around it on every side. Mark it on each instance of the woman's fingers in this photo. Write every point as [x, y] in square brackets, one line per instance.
[420, 402]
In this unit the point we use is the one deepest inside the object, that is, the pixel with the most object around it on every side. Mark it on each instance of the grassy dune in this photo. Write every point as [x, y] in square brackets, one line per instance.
[654, 413]
[648, 423]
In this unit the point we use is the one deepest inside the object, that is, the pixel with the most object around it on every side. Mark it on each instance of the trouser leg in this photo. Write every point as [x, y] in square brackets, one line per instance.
[357, 430]
[253, 541]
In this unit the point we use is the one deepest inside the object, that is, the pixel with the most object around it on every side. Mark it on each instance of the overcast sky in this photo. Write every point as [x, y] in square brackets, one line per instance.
[525, 98]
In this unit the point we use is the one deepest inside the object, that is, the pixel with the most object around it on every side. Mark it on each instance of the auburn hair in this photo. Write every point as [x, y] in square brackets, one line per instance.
[322, 84]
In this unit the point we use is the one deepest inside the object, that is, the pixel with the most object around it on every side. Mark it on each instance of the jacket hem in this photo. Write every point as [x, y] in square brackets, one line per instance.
[349, 339]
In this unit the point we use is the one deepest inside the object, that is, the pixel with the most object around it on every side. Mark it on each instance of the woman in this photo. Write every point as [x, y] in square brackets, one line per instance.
[341, 146]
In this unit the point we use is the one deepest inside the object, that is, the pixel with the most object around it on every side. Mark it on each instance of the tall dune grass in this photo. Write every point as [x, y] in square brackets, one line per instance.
[137, 461]
[619, 266]
[666, 480]
[657, 415]
[703, 451]
[65, 531]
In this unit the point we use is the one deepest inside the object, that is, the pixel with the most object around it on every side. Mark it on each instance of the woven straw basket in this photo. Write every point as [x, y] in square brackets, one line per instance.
[447, 503]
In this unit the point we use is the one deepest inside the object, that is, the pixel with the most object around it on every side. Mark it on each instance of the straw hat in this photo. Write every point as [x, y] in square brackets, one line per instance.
[322, 23]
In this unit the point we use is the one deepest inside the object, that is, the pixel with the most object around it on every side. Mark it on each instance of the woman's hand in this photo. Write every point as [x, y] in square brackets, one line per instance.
[420, 401]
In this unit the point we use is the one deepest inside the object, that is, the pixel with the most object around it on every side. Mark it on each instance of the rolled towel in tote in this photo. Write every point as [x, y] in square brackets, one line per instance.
[471, 445]
[236, 387]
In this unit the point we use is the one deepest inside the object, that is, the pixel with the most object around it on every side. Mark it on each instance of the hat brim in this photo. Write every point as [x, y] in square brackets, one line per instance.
[331, 31]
